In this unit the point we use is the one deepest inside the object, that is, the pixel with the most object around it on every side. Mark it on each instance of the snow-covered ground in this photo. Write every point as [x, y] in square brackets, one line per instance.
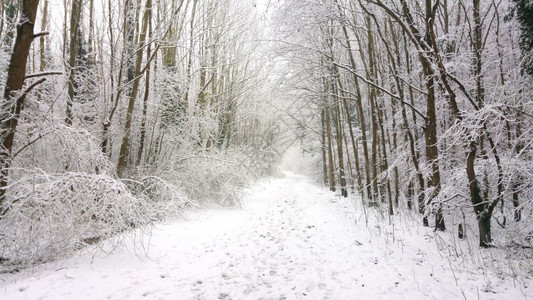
[292, 240]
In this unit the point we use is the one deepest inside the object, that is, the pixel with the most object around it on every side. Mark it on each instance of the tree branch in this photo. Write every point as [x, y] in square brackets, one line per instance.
[40, 34]
[41, 74]
[30, 88]
[396, 97]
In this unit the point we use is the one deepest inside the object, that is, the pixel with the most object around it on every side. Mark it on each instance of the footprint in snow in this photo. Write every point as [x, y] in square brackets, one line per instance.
[23, 288]
[310, 287]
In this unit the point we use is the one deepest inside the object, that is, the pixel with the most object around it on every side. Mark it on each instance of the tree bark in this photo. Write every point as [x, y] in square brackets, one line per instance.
[146, 90]
[331, 175]
[424, 46]
[135, 78]
[339, 135]
[11, 106]
[324, 146]
[482, 210]
[360, 116]
[75, 15]
[42, 39]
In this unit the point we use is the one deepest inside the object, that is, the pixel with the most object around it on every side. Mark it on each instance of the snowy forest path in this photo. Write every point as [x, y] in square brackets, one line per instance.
[292, 240]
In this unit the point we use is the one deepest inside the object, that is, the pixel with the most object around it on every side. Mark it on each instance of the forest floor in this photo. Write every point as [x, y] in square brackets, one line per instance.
[292, 240]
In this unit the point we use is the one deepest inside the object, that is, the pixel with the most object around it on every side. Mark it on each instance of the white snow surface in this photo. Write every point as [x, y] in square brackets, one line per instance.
[292, 240]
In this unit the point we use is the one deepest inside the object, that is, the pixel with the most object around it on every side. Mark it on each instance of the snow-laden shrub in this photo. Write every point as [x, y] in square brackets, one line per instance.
[49, 215]
[72, 198]
[214, 176]
[56, 147]
[161, 198]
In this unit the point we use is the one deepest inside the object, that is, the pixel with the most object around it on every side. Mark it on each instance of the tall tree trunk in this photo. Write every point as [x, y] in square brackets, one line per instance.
[75, 15]
[91, 57]
[136, 78]
[409, 136]
[324, 146]
[515, 188]
[370, 71]
[146, 87]
[331, 175]
[190, 58]
[340, 152]
[351, 181]
[354, 145]
[481, 207]
[430, 134]
[385, 162]
[42, 39]
[360, 115]
[423, 43]
[11, 107]
[114, 103]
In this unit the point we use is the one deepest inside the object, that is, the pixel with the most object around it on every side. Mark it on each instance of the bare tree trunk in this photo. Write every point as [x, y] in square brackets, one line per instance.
[114, 103]
[354, 146]
[431, 141]
[190, 59]
[331, 175]
[146, 87]
[351, 181]
[324, 146]
[42, 39]
[340, 152]
[409, 137]
[370, 68]
[424, 45]
[91, 52]
[75, 15]
[11, 107]
[360, 115]
[515, 188]
[65, 30]
[129, 44]
[385, 162]
[136, 78]
[481, 208]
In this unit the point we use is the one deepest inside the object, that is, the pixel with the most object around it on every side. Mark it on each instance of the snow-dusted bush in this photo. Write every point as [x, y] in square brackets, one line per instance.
[49, 215]
[214, 176]
[161, 198]
[55, 147]
[73, 198]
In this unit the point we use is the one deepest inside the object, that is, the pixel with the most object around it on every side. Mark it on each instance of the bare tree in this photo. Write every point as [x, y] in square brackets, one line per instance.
[13, 102]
